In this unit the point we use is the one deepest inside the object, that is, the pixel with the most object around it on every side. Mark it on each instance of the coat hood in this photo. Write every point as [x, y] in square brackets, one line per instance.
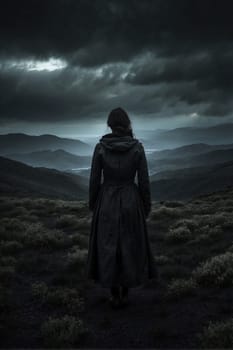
[119, 143]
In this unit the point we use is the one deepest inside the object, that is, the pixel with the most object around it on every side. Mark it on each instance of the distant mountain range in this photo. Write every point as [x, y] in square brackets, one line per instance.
[58, 159]
[185, 184]
[158, 139]
[163, 139]
[181, 157]
[22, 143]
[203, 159]
[187, 151]
[22, 180]
[45, 165]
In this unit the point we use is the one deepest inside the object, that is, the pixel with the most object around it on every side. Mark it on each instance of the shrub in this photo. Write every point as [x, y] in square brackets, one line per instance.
[71, 206]
[8, 260]
[67, 297]
[39, 236]
[204, 208]
[10, 247]
[39, 291]
[178, 235]
[228, 223]
[179, 288]
[201, 238]
[228, 209]
[217, 271]
[13, 224]
[162, 260]
[72, 222]
[191, 224]
[216, 231]
[18, 211]
[58, 296]
[29, 218]
[80, 240]
[219, 219]
[228, 203]
[209, 231]
[60, 332]
[12, 229]
[218, 335]
[164, 212]
[66, 220]
[76, 259]
[202, 220]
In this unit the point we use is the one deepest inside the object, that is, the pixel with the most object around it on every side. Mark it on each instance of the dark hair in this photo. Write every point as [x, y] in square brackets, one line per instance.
[119, 122]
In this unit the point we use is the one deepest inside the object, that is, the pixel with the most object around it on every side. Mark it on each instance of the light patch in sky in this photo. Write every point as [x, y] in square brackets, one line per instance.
[99, 73]
[34, 65]
[124, 75]
[194, 115]
[50, 65]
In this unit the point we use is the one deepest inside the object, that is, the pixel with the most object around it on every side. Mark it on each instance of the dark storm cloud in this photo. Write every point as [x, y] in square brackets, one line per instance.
[199, 67]
[120, 29]
[157, 57]
[50, 96]
[72, 93]
[203, 78]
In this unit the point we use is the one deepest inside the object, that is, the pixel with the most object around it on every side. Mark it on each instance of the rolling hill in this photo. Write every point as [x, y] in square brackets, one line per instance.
[219, 134]
[59, 159]
[204, 159]
[187, 151]
[23, 143]
[18, 179]
[183, 185]
[22, 180]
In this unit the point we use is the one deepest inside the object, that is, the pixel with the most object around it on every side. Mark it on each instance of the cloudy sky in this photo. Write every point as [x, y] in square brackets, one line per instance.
[64, 64]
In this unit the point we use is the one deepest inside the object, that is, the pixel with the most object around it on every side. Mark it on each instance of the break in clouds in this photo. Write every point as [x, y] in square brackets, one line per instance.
[70, 60]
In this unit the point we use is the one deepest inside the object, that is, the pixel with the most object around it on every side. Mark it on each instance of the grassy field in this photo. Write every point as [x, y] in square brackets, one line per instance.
[43, 246]
[43, 251]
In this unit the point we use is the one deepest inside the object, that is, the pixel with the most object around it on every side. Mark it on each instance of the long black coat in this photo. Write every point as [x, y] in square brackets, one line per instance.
[119, 249]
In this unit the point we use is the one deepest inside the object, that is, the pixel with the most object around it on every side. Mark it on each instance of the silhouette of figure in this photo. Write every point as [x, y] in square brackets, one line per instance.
[119, 254]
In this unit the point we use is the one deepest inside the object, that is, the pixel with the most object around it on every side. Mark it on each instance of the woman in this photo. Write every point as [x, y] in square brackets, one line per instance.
[119, 255]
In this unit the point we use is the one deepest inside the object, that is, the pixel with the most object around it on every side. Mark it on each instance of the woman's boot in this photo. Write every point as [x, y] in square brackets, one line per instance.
[124, 296]
[115, 297]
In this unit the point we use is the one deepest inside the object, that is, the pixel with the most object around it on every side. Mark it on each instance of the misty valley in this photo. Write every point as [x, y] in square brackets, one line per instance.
[187, 162]
[45, 299]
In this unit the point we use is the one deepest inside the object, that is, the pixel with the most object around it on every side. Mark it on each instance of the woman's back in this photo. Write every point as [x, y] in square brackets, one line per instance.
[120, 157]
[117, 160]
[120, 207]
